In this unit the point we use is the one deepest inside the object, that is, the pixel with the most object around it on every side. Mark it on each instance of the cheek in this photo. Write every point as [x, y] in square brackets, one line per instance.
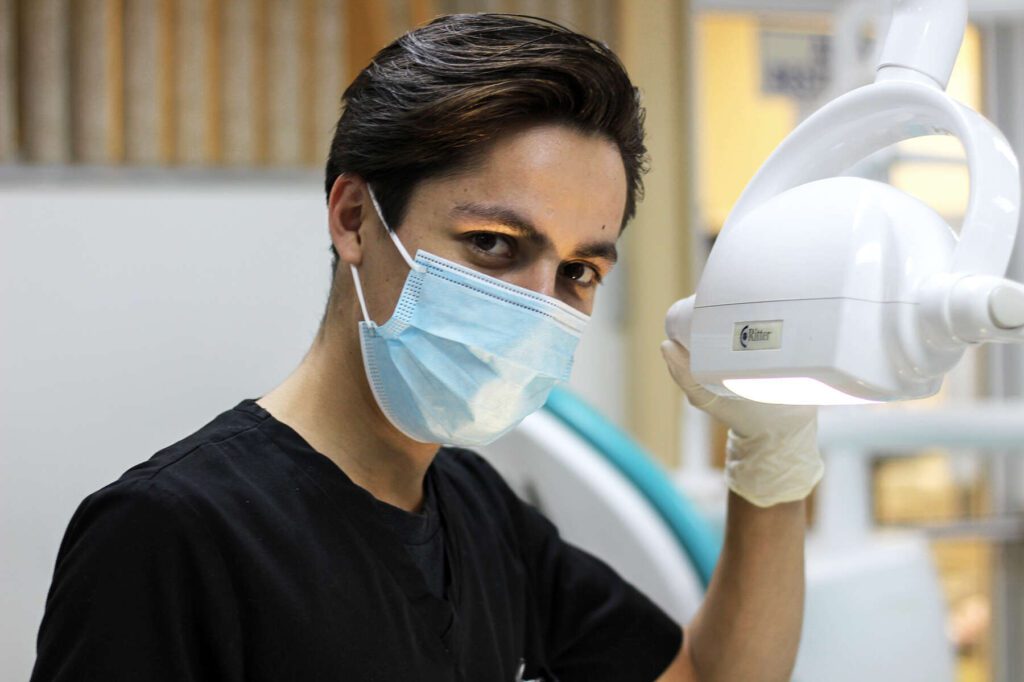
[587, 305]
[582, 301]
[383, 275]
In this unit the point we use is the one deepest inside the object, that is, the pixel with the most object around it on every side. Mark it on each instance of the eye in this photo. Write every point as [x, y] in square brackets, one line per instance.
[491, 244]
[581, 274]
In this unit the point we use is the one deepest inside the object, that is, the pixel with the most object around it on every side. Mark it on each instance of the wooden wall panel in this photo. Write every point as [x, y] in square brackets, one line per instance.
[309, 41]
[654, 45]
[488, 6]
[204, 82]
[422, 11]
[8, 84]
[43, 117]
[213, 82]
[115, 67]
[146, 112]
[565, 12]
[259, 99]
[534, 8]
[191, 52]
[167, 79]
[603, 21]
[368, 27]
[284, 115]
[238, 76]
[400, 13]
[88, 86]
[198, 81]
[328, 81]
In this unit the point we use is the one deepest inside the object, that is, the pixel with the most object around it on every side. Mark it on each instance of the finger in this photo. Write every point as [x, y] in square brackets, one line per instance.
[678, 360]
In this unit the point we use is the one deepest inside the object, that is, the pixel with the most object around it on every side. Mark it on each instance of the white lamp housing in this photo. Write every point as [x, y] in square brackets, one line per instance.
[837, 290]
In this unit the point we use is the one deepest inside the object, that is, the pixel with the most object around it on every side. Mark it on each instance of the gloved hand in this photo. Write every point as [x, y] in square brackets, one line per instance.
[772, 450]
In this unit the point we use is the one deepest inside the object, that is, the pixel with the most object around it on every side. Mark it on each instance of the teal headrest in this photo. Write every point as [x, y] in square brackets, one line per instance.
[699, 540]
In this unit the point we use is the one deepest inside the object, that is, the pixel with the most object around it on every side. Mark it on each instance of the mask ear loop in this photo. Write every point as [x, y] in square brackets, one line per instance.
[413, 265]
[359, 295]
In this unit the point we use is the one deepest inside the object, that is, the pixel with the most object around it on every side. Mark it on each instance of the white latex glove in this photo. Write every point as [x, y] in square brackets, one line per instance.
[772, 450]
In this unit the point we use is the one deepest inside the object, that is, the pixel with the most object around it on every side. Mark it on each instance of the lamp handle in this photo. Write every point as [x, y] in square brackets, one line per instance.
[924, 36]
[870, 118]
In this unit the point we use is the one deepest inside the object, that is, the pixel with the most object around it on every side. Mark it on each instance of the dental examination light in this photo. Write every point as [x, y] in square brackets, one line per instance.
[825, 290]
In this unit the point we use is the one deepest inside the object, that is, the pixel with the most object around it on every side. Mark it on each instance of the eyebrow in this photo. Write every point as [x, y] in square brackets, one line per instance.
[517, 222]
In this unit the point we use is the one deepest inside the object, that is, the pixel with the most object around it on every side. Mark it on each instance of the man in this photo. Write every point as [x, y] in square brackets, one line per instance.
[480, 175]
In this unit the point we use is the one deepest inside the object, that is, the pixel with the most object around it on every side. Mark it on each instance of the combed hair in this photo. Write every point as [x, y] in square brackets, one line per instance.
[433, 102]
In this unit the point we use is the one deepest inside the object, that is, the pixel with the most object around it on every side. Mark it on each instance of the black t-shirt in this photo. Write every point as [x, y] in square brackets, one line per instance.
[240, 553]
[421, 535]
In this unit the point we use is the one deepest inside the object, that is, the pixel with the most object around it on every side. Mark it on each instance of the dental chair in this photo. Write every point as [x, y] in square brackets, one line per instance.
[608, 497]
[873, 611]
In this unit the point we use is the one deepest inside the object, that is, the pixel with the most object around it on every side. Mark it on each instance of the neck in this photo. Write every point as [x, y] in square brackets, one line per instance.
[328, 401]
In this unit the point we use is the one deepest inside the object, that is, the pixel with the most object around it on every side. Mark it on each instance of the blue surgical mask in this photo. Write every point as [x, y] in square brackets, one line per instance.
[465, 357]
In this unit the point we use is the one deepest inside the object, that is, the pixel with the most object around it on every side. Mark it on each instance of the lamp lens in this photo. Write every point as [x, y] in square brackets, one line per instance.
[791, 391]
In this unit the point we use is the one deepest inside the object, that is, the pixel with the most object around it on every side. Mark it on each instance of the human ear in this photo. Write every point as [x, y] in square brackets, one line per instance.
[346, 216]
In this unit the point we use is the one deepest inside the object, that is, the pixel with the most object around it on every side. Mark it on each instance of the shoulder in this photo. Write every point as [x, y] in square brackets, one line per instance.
[132, 500]
[134, 562]
[167, 503]
[127, 522]
[175, 492]
[202, 463]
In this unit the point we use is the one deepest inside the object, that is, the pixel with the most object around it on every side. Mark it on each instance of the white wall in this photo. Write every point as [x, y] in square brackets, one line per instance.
[133, 309]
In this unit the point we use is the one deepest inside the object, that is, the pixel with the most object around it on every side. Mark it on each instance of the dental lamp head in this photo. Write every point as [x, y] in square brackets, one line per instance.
[822, 289]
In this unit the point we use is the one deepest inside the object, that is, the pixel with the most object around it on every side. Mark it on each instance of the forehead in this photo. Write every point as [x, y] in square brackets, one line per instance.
[569, 184]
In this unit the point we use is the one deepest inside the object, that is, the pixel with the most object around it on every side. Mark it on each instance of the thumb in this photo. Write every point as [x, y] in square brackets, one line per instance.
[678, 360]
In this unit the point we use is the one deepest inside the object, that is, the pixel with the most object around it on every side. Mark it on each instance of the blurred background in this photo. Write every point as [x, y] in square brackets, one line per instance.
[164, 254]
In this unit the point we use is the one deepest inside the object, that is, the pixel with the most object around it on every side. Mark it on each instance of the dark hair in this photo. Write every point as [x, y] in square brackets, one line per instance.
[433, 101]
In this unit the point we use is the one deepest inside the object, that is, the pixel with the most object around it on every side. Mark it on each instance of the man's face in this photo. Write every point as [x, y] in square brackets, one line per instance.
[542, 211]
